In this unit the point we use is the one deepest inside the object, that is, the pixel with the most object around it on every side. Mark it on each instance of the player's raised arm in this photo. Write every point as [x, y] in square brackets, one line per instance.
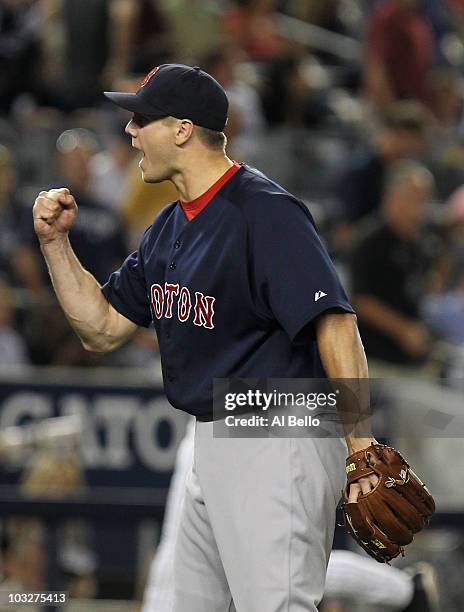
[99, 326]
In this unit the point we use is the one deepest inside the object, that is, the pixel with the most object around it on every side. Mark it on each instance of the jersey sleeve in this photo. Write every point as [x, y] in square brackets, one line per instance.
[126, 289]
[296, 279]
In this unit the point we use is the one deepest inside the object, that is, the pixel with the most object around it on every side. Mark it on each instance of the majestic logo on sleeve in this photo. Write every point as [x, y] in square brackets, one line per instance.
[318, 295]
[174, 301]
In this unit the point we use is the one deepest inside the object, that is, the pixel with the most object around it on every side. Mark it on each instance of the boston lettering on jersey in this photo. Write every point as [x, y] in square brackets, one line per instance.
[162, 299]
[231, 283]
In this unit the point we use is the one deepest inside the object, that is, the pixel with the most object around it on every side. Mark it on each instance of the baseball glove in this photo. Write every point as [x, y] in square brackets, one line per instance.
[385, 519]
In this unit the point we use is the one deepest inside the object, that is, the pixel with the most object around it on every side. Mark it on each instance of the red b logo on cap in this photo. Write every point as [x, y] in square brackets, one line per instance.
[149, 75]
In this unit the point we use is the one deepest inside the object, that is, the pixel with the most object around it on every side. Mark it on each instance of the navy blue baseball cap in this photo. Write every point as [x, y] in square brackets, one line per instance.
[176, 90]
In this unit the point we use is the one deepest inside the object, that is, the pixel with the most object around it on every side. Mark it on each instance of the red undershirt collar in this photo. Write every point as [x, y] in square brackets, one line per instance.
[192, 208]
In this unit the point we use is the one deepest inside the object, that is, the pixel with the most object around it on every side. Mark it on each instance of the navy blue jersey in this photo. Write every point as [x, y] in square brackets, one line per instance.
[232, 292]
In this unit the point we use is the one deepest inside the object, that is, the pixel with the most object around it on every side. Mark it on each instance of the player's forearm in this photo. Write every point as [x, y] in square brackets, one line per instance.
[342, 355]
[340, 347]
[80, 296]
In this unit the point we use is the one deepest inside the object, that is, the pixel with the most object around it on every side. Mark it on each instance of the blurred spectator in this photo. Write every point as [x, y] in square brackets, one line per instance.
[80, 38]
[452, 45]
[295, 91]
[323, 13]
[402, 135]
[246, 120]
[142, 202]
[252, 26]
[51, 473]
[98, 237]
[109, 170]
[455, 218]
[23, 562]
[399, 53]
[195, 28]
[98, 42]
[10, 212]
[151, 41]
[456, 7]
[445, 154]
[19, 45]
[444, 314]
[444, 309]
[444, 93]
[13, 351]
[122, 26]
[57, 473]
[389, 270]
[437, 13]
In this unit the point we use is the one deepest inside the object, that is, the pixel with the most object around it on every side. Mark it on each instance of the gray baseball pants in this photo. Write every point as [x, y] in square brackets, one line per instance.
[257, 523]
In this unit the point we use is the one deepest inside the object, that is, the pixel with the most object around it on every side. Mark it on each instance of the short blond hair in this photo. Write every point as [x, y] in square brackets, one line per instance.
[211, 138]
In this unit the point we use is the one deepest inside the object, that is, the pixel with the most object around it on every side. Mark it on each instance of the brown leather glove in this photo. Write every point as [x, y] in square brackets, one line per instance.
[385, 519]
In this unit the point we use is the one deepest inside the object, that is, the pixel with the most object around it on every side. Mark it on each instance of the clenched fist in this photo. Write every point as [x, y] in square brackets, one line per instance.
[54, 212]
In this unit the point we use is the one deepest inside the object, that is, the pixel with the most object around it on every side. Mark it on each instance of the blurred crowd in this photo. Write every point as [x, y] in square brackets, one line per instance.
[354, 105]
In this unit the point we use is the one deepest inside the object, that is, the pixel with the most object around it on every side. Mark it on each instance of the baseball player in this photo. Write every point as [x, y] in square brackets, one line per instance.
[237, 284]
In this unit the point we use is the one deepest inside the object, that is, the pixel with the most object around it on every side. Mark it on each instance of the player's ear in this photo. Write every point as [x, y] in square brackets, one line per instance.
[184, 131]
